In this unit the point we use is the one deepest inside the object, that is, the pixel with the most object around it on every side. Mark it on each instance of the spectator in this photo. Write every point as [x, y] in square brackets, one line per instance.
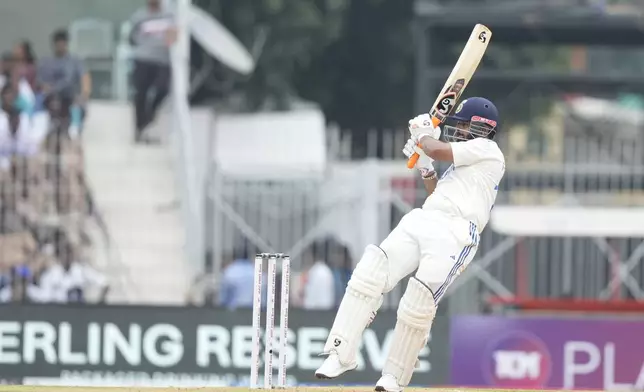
[237, 283]
[21, 133]
[58, 109]
[26, 99]
[67, 279]
[153, 32]
[38, 180]
[65, 76]
[20, 286]
[18, 246]
[25, 59]
[318, 282]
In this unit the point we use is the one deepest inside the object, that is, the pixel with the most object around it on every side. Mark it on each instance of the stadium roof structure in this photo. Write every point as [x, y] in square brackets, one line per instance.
[439, 25]
[527, 21]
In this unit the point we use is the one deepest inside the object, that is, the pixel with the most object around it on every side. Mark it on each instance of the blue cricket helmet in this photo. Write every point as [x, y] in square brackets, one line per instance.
[481, 115]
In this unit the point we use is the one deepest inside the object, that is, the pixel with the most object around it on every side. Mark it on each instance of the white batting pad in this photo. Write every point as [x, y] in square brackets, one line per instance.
[415, 315]
[362, 298]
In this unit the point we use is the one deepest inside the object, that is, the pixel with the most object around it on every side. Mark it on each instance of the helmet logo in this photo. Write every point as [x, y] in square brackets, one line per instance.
[487, 121]
[460, 106]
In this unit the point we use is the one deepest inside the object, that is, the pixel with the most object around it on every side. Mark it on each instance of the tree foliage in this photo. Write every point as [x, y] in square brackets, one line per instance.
[364, 78]
[296, 31]
[353, 58]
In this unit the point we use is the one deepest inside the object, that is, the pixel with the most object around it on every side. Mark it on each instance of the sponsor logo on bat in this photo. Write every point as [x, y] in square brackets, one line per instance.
[446, 104]
[483, 36]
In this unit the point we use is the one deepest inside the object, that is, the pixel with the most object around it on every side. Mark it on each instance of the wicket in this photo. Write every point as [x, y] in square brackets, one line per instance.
[272, 259]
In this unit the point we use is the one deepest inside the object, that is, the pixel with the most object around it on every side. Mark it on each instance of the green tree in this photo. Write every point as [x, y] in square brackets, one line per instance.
[296, 31]
[354, 58]
[364, 79]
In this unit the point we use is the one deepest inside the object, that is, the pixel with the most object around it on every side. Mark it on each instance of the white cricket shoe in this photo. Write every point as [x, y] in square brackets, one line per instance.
[388, 383]
[332, 367]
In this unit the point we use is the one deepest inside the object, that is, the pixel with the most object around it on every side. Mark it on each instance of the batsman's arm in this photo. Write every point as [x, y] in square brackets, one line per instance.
[437, 150]
[430, 183]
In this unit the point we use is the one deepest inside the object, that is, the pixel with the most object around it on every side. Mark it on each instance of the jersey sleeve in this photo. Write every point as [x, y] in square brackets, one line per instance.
[474, 151]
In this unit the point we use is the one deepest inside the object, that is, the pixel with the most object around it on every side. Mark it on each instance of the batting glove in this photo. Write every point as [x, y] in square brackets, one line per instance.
[421, 126]
[424, 164]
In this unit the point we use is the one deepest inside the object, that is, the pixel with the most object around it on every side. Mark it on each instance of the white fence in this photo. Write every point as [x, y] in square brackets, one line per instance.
[360, 201]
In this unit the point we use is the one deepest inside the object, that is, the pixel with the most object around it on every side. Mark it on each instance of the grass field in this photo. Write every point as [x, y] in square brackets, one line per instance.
[227, 389]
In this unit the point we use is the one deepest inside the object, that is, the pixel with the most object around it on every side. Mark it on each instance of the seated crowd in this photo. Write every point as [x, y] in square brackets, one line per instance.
[45, 205]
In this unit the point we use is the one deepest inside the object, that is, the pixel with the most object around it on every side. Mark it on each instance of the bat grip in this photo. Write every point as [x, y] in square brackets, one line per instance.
[414, 158]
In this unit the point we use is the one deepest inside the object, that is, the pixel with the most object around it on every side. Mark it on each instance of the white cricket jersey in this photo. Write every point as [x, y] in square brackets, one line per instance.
[469, 186]
[29, 136]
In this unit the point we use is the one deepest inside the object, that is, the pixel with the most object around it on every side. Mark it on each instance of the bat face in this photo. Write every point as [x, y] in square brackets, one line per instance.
[462, 73]
[459, 78]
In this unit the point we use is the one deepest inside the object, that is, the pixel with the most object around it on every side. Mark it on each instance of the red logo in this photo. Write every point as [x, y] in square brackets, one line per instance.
[489, 122]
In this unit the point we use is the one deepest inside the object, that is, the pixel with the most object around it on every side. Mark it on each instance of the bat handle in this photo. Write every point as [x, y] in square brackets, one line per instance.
[414, 158]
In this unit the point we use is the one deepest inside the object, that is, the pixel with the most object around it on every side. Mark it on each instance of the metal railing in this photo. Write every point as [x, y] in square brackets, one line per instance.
[570, 159]
[564, 160]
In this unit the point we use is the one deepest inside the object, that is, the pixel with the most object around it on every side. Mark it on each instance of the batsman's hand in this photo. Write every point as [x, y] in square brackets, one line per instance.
[424, 164]
[421, 126]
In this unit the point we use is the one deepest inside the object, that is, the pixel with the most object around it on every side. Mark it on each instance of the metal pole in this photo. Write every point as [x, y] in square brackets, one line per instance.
[183, 38]
[181, 82]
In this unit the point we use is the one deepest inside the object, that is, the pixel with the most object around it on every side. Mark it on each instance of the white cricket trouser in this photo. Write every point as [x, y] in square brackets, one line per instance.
[438, 245]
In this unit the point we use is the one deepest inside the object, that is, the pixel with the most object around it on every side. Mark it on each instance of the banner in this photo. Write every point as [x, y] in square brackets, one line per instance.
[162, 346]
[547, 353]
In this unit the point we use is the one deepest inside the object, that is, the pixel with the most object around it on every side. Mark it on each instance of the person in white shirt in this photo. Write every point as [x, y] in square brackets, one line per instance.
[68, 279]
[21, 133]
[68, 282]
[437, 242]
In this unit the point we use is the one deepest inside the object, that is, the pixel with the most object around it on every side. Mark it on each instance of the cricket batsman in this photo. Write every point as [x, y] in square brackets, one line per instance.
[435, 242]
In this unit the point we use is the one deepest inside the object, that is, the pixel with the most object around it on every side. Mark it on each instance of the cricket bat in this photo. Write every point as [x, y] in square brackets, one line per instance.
[459, 78]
